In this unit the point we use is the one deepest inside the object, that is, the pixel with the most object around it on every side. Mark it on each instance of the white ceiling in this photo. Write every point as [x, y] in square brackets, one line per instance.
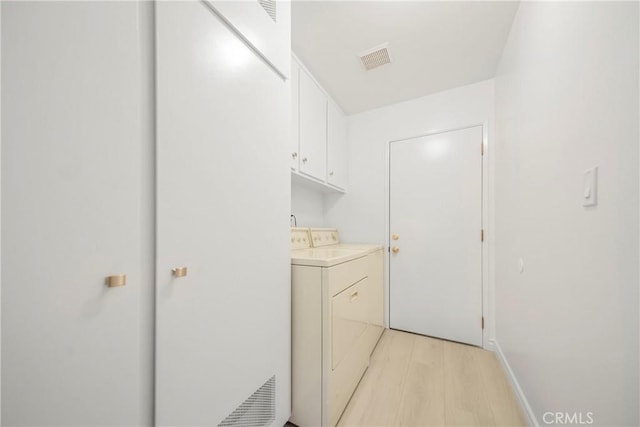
[434, 46]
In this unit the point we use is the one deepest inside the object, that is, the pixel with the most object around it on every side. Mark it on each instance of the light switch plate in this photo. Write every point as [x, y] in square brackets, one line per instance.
[590, 187]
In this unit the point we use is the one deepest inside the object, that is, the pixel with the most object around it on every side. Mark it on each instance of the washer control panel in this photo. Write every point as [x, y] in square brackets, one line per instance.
[300, 238]
[324, 237]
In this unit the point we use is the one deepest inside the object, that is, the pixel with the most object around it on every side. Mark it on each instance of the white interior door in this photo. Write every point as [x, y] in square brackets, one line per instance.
[223, 206]
[435, 224]
[76, 207]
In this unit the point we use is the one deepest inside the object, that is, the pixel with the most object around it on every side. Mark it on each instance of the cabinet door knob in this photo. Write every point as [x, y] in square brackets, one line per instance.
[395, 237]
[179, 271]
[305, 160]
[116, 281]
[395, 249]
[331, 173]
[294, 155]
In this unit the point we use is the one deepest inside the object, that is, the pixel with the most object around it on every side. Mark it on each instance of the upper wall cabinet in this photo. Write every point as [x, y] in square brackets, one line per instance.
[318, 153]
[264, 24]
[313, 128]
[336, 147]
[295, 116]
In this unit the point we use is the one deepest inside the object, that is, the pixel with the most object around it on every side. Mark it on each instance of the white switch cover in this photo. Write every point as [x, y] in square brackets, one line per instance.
[589, 187]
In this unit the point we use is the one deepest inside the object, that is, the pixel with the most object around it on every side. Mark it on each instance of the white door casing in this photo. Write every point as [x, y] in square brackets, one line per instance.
[435, 207]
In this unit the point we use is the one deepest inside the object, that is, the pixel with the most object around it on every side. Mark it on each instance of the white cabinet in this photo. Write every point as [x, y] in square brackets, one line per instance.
[336, 147]
[319, 134]
[295, 116]
[313, 128]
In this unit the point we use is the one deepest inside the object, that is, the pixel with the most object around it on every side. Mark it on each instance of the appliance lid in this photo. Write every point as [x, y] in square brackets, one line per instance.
[324, 257]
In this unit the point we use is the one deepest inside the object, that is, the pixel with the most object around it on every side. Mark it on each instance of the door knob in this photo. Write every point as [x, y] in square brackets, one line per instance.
[294, 155]
[395, 249]
[395, 237]
[179, 271]
[305, 160]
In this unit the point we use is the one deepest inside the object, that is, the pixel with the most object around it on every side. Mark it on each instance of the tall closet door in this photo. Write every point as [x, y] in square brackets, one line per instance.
[223, 286]
[76, 203]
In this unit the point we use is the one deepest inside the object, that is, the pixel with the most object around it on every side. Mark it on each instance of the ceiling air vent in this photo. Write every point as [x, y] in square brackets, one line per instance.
[375, 57]
[269, 6]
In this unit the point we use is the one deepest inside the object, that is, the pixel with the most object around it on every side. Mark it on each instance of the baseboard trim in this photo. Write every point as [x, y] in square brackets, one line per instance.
[490, 345]
[522, 399]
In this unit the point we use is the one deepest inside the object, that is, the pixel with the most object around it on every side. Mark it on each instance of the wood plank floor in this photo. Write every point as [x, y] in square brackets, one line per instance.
[414, 380]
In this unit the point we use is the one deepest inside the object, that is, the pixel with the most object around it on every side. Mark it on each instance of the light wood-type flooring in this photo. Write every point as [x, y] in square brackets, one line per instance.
[414, 380]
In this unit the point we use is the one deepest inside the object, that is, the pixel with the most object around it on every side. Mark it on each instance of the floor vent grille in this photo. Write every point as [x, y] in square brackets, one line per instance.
[257, 411]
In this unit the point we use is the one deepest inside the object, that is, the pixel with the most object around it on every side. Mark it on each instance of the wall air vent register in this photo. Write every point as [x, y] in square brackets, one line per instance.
[270, 6]
[258, 410]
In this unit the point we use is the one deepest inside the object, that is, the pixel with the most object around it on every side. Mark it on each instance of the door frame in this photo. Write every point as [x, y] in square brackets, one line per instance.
[486, 221]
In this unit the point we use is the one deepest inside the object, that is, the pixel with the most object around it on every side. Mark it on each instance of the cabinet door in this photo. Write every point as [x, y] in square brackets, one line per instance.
[77, 153]
[313, 129]
[295, 115]
[264, 24]
[336, 147]
[223, 329]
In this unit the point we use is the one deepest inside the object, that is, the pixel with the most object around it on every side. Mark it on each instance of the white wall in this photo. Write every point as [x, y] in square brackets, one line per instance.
[567, 100]
[361, 214]
[0, 213]
[307, 205]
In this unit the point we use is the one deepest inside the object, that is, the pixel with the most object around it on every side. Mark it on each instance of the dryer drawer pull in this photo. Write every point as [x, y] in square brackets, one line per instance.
[354, 296]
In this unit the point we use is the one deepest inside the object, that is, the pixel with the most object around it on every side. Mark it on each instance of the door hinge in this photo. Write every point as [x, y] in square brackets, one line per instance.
[482, 148]
[482, 235]
[482, 322]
